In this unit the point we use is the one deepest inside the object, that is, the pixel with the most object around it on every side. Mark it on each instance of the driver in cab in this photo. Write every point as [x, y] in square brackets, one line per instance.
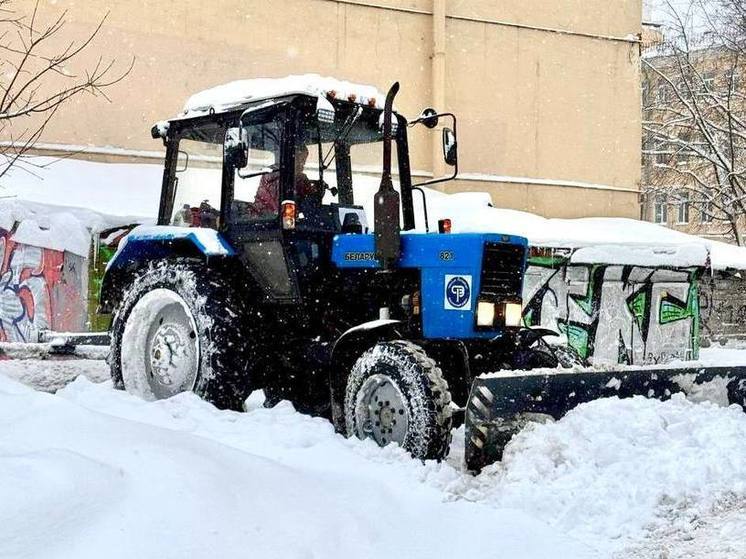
[267, 199]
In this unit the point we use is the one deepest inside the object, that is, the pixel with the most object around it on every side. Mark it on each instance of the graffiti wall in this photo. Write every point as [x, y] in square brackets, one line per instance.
[722, 301]
[40, 288]
[614, 313]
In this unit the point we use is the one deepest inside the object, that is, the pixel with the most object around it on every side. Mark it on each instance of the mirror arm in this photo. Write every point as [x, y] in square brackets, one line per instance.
[455, 167]
[438, 180]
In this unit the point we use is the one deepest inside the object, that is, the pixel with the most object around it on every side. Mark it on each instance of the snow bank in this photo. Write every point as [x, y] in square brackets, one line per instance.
[95, 472]
[57, 373]
[180, 478]
[613, 468]
[127, 191]
[472, 212]
[237, 92]
[120, 191]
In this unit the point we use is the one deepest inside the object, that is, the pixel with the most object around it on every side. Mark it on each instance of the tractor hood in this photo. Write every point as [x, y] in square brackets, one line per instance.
[456, 271]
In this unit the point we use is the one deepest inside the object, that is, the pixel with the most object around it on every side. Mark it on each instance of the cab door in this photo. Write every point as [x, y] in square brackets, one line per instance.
[252, 198]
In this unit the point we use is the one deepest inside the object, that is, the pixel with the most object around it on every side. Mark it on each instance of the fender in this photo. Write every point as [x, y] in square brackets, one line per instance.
[147, 243]
[526, 337]
[345, 351]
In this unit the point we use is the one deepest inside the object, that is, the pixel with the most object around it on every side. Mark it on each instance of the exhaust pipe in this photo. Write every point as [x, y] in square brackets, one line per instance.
[386, 206]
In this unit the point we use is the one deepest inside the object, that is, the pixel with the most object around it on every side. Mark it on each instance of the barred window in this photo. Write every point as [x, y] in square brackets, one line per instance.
[661, 209]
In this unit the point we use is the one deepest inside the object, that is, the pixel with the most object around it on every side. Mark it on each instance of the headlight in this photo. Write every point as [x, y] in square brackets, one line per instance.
[513, 314]
[485, 313]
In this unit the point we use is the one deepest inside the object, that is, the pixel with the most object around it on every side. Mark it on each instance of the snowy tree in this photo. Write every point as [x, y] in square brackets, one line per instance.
[38, 77]
[694, 113]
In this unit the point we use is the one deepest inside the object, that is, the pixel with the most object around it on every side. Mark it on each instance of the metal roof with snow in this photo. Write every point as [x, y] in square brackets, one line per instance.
[233, 94]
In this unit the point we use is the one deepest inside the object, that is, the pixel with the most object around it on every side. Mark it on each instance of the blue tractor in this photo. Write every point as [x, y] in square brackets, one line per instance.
[263, 272]
[275, 281]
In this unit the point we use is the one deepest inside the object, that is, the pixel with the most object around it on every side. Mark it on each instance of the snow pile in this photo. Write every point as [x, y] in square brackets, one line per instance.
[117, 192]
[235, 93]
[95, 472]
[81, 467]
[613, 468]
[57, 373]
[54, 227]
[473, 213]
[114, 190]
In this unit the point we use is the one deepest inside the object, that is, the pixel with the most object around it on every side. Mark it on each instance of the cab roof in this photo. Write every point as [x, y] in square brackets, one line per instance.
[229, 96]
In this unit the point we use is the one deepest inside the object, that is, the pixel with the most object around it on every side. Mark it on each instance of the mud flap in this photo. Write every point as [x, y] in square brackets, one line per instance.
[501, 403]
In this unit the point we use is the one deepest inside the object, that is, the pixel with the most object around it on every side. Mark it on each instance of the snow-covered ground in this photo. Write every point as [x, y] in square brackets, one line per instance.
[91, 471]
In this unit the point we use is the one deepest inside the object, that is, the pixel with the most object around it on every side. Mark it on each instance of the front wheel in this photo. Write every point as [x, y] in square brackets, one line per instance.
[176, 330]
[396, 393]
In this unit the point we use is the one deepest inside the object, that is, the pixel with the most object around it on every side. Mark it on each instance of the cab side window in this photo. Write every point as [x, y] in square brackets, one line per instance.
[199, 178]
[256, 188]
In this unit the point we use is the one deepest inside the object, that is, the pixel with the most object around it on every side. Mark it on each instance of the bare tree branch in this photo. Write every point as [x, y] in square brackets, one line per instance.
[694, 113]
[39, 77]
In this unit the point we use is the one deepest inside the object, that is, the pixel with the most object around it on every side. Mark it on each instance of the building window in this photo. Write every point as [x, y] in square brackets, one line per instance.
[683, 206]
[706, 212]
[661, 95]
[735, 78]
[661, 209]
[708, 81]
[661, 153]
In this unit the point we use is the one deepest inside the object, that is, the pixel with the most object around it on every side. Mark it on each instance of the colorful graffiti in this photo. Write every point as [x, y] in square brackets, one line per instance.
[613, 313]
[25, 300]
[39, 289]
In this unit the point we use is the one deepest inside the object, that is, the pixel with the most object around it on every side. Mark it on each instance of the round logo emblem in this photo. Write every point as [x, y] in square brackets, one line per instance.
[458, 292]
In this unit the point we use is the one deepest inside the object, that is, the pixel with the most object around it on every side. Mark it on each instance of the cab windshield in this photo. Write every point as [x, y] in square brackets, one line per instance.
[339, 163]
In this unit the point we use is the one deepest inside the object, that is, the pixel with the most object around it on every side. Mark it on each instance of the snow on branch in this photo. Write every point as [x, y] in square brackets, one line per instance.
[694, 111]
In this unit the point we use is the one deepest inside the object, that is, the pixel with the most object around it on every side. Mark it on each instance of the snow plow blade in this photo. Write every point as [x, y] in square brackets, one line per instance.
[501, 404]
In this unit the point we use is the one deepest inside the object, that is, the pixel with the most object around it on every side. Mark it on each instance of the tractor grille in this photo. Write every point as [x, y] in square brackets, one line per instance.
[502, 270]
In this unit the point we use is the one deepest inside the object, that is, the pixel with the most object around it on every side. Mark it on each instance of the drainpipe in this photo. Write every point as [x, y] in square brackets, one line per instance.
[438, 79]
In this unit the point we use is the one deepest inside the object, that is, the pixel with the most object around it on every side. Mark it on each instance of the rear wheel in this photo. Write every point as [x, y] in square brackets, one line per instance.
[396, 393]
[176, 331]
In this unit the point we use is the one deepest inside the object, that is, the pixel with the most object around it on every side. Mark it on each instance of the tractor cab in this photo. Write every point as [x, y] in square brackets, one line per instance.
[279, 176]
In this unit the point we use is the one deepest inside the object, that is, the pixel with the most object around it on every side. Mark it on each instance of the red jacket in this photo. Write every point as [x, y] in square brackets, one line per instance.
[267, 199]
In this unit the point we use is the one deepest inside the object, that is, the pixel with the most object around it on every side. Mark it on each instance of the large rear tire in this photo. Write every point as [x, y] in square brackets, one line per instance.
[396, 393]
[176, 330]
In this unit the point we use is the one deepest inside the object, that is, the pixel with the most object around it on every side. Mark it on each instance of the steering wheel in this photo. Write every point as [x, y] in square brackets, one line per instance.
[322, 187]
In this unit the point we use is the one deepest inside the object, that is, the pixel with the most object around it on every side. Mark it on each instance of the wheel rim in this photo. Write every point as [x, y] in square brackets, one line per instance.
[381, 411]
[160, 346]
[172, 352]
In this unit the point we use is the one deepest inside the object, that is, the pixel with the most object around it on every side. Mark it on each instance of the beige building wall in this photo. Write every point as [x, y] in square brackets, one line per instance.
[547, 93]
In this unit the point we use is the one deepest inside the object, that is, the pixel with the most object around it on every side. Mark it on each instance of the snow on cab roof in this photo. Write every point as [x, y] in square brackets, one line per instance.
[230, 95]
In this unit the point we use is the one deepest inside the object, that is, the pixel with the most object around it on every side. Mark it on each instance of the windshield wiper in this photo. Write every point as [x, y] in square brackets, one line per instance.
[346, 129]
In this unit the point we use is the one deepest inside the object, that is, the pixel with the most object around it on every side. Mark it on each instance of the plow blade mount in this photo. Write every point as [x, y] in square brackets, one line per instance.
[500, 404]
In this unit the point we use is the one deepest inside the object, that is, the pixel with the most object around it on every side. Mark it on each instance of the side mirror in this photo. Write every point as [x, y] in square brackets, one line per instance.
[236, 148]
[450, 150]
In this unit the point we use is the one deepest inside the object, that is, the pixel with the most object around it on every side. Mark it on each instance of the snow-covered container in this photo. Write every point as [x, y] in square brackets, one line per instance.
[55, 242]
